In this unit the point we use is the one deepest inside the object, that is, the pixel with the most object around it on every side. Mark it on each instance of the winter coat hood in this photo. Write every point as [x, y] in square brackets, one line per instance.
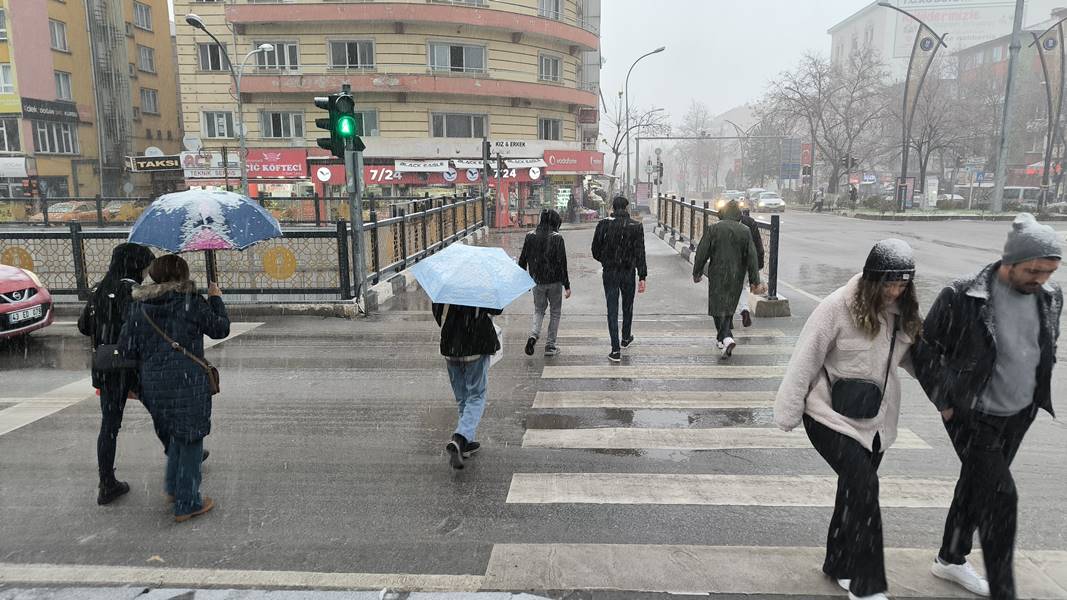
[730, 212]
[550, 221]
[155, 291]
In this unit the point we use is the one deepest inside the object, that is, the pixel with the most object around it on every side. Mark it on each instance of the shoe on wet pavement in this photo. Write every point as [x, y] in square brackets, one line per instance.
[615, 356]
[530, 343]
[963, 575]
[205, 507]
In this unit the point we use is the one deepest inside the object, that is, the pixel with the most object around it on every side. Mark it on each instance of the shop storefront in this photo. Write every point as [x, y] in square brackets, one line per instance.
[566, 188]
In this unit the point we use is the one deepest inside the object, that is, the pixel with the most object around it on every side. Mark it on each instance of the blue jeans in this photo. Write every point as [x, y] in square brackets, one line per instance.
[470, 380]
[183, 475]
[616, 282]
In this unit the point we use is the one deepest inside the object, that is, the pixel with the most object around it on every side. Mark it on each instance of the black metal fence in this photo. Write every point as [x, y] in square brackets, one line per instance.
[304, 264]
[687, 221]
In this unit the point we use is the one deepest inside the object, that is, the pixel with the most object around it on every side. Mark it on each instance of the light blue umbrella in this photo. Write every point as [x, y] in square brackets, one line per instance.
[472, 276]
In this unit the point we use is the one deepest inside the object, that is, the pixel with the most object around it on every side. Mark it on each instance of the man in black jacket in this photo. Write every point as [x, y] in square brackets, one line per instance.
[619, 246]
[985, 360]
[468, 342]
[757, 239]
[544, 253]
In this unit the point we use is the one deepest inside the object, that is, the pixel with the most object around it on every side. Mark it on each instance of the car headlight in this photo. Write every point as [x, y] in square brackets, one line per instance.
[33, 277]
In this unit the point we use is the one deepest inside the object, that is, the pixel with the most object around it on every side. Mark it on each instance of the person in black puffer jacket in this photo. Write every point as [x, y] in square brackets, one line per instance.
[468, 341]
[174, 387]
[544, 253]
[619, 246]
[102, 320]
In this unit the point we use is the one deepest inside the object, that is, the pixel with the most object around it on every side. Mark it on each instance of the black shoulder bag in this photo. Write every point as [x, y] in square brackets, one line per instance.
[106, 357]
[212, 373]
[860, 398]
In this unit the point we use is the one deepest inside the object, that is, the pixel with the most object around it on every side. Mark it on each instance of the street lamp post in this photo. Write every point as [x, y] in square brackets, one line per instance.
[627, 91]
[742, 136]
[198, 23]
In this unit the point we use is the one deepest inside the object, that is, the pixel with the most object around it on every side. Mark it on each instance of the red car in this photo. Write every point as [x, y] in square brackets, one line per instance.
[25, 304]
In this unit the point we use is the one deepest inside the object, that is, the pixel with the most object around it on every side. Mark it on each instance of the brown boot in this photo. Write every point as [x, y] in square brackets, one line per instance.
[207, 506]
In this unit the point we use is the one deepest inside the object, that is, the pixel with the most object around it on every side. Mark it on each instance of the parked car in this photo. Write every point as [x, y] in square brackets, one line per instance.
[770, 202]
[25, 303]
[68, 212]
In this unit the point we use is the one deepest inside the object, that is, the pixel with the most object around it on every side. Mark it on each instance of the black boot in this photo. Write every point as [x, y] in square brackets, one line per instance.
[455, 450]
[110, 489]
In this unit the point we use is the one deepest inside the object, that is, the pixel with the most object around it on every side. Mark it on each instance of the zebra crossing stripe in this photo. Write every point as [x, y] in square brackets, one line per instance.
[652, 400]
[733, 438]
[614, 371]
[694, 333]
[653, 349]
[716, 490]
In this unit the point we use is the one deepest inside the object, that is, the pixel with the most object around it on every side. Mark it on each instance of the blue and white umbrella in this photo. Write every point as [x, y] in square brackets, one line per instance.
[472, 276]
[199, 220]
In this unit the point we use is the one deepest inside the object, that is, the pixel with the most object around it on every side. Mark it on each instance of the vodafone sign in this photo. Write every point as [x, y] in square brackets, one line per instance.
[574, 162]
[266, 163]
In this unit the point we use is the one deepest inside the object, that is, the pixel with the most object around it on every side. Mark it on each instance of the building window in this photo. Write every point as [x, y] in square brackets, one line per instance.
[58, 31]
[9, 135]
[552, 9]
[453, 125]
[352, 55]
[370, 122]
[55, 138]
[218, 124]
[549, 129]
[63, 88]
[212, 57]
[457, 58]
[142, 16]
[282, 124]
[979, 57]
[146, 59]
[998, 53]
[149, 101]
[551, 68]
[3, 24]
[285, 56]
[7, 79]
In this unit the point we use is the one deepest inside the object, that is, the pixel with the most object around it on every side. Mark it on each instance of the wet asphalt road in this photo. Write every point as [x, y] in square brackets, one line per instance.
[327, 449]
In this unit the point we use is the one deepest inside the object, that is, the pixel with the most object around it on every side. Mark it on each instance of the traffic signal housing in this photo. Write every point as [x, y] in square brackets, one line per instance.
[343, 123]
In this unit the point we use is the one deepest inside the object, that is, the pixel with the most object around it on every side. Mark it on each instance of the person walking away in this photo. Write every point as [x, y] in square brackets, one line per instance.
[727, 250]
[174, 384]
[842, 384]
[853, 194]
[985, 360]
[544, 253]
[468, 342]
[102, 320]
[619, 247]
[744, 311]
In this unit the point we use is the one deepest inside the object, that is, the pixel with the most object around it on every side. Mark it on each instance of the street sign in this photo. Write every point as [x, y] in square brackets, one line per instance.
[979, 177]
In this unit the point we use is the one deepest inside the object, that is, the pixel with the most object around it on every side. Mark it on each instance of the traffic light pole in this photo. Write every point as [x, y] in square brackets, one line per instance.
[354, 173]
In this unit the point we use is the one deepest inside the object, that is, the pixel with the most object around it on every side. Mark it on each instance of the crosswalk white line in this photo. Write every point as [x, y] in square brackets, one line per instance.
[716, 490]
[616, 371]
[653, 400]
[689, 333]
[742, 570]
[647, 348]
[629, 438]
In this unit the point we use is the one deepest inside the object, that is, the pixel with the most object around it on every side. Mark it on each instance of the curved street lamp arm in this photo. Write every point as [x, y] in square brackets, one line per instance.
[940, 38]
[1038, 36]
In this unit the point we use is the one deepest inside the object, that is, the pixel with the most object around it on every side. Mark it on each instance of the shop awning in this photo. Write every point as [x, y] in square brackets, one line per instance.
[466, 163]
[524, 163]
[422, 166]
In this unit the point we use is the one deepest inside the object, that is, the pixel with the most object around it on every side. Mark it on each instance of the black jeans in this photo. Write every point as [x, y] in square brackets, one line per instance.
[986, 499]
[854, 547]
[616, 282]
[724, 326]
[113, 396]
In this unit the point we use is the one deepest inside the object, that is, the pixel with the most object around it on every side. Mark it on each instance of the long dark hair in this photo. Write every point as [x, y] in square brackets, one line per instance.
[868, 304]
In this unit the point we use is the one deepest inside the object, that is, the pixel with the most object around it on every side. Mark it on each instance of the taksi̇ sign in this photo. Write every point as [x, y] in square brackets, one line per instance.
[157, 163]
[280, 163]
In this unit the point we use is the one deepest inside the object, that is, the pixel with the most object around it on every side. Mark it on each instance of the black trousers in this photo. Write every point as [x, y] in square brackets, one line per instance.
[620, 282]
[724, 326]
[986, 499]
[113, 396]
[854, 547]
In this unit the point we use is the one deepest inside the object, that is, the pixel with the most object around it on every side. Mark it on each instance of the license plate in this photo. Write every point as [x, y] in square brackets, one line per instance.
[26, 314]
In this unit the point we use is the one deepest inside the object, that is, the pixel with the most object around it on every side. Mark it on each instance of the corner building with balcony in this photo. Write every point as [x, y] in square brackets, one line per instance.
[431, 79]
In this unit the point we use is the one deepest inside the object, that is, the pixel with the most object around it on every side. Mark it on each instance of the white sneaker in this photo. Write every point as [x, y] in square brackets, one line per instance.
[878, 596]
[719, 345]
[728, 346]
[963, 575]
[844, 583]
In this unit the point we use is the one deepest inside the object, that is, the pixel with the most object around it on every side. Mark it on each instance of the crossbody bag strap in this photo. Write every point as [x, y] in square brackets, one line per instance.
[892, 351]
[175, 345]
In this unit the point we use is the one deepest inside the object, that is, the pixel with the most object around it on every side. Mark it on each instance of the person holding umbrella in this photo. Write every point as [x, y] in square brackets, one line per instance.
[468, 286]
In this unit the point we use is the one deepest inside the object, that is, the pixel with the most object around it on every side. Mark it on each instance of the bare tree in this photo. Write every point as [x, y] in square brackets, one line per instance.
[698, 159]
[653, 121]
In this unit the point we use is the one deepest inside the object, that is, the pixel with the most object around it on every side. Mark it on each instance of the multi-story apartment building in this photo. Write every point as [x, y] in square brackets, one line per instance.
[83, 85]
[432, 78]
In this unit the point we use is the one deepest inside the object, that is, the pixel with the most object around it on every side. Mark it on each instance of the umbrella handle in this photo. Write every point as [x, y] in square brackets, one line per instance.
[212, 267]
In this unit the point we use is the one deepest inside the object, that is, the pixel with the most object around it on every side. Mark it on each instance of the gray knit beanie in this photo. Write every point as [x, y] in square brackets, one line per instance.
[1030, 240]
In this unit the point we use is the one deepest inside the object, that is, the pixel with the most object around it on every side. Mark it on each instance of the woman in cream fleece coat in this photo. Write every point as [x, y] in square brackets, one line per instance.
[849, 336]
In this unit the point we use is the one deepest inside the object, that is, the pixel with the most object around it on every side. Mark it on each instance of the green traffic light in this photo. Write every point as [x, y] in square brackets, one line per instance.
[346, 126]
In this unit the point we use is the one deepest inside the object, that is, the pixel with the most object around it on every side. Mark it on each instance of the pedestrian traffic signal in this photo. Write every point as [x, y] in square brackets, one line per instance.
[343, 123]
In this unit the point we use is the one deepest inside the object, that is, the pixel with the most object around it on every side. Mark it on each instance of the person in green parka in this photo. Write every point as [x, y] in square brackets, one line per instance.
[726, 248]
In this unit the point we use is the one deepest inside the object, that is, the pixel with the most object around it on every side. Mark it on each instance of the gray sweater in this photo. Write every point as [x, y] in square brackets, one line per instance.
[1018, 328]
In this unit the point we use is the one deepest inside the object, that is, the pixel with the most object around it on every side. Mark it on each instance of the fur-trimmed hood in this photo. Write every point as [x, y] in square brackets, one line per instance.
[144, 293]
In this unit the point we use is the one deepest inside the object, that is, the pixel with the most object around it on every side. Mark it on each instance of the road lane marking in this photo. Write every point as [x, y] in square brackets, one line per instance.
[716, 490]
[741, 570]
[30, 410]
[806, 294]
[653, 400]
[629, 438]
[609, 371]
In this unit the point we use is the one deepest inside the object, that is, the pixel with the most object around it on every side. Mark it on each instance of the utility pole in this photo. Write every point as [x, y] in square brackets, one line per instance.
[1006, 117]
[354, 172]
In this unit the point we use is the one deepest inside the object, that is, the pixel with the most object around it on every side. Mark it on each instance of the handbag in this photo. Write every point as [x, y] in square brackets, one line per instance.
[106, 357]
[209, 369]
[860, 398]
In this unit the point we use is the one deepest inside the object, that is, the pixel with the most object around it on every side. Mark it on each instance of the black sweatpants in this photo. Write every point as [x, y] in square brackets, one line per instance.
[986, 499]
[113, 396]
[854, 548]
